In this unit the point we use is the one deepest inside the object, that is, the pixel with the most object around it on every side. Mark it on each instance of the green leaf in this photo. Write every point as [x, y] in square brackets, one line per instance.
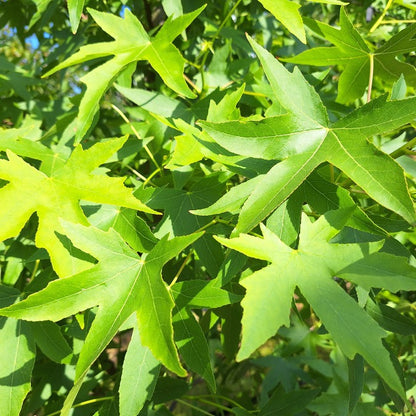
[337, 2]
[57, 196]
[75, 8]
[390, 319]
[158, 50]
[324, 196]
[288, 403]
[50, 340]
[353, 54]
[201, 294]
[139, 376]
[177, 203]
[285, 220]
[41, 6]
[381, 270]
[286, 11]
[23, 141]
[311, 268]
[192, 344]
[303, 140]
[17, 357]
[121, 283]
[172, 7]
[355, 380]
[125, 221]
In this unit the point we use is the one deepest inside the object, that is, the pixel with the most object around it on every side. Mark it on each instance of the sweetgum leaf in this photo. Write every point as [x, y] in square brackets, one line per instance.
[311, 268]
[121, 283]
[17, 357]
[192, 344]
[50, 340]
[57, 196]
[137, 46]
[23, 141]
[352, 52]
[303, 139]
[139, 376]
[287, 12]
[75, 8]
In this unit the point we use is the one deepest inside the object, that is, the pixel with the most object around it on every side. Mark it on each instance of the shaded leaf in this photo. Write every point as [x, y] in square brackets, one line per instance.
[192, 345]
[139, 376]
[50, 340]
[287, 403]
[17, 357]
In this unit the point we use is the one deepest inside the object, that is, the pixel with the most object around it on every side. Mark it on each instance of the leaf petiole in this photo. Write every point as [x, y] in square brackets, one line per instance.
[370, 77]
[92, 401]
[136, 133]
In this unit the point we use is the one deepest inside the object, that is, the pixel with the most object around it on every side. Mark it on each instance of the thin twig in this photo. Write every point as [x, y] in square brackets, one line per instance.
[136, 133]
[380, 19]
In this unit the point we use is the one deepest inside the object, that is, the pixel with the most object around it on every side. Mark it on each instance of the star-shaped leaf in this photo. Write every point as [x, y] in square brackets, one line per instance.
[137, 46]
[353, 54]
[121, 283]
[311, 268]
[303, 139]
[57, 196]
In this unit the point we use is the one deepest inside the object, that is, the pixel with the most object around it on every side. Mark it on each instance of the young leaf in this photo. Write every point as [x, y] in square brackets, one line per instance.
[304, 139]
[57, 196]
[158, 50]
[311, 268]
[286, 11]
[121, 283]
[351, 52]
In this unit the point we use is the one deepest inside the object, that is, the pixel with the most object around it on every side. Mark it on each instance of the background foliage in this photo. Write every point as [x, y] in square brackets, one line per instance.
[190, 224]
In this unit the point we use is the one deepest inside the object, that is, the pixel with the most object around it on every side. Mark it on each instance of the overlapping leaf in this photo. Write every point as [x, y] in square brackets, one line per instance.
[287, 12]
[138, 379]
[177, 203]
[57, 196]
[351, 52]
[174, 113]
[311, 268]
[23, 141]
[121, 283]
[17, 357]
[75, 8]
[303, 139]
[189, 337]
[138, 45]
